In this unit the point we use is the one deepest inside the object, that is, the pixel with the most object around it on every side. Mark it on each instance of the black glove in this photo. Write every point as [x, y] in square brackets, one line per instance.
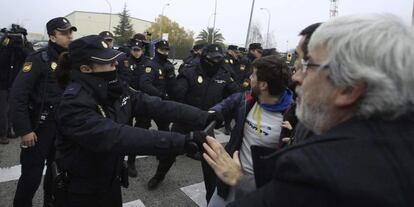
[215, 116]
[194, 141]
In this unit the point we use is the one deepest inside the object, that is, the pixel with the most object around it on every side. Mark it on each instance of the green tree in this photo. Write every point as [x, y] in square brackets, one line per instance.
[123, 31]
[210, 35]
[180, 40]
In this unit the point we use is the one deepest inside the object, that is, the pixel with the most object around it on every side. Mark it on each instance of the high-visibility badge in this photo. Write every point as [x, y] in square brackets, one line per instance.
[245, 84]
[148, 69]
[242, 67]
[27, 67]
[226, 61]
[53, 66]
[200, 79]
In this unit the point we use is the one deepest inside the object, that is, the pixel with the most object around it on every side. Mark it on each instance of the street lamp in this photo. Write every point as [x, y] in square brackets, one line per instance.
[250, 22]
[268, 25]
[162, 14]
[110, 14]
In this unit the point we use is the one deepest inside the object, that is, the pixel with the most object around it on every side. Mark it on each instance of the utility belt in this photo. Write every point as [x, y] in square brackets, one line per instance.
[39, 116]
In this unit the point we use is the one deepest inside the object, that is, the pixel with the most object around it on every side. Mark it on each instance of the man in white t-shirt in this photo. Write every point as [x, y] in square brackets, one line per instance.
[258, 114]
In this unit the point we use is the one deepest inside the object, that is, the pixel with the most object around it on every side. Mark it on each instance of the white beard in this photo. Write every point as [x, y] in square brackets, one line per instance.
[314, 115]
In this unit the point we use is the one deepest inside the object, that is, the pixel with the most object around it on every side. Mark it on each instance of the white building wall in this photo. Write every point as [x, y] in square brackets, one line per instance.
[93, 23]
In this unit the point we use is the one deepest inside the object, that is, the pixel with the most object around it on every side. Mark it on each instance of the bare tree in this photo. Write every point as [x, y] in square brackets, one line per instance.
[256, 35]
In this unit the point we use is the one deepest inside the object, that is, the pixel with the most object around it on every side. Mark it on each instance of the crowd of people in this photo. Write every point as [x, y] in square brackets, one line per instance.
[333, 131]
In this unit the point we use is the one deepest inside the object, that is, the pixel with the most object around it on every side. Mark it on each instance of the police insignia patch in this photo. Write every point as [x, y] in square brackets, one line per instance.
[226, 61]
[231, 61]
[246, 83]
[148, 69]
[200, 79]
[27, 67]
[242, 67]
[53, 66]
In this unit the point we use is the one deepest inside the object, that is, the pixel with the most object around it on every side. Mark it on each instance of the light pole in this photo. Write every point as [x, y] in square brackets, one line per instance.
[250, 22]
[268, 25]
[162, 14]
[214, 21]
[110, 14]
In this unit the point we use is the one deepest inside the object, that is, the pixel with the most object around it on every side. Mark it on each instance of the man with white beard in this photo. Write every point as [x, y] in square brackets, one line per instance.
[356, 94]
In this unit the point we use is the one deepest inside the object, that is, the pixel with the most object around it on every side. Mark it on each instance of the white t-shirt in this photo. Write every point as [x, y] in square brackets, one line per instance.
[265, 135]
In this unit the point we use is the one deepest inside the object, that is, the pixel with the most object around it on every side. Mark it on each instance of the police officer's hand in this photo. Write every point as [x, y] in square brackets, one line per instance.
[29, 140]
[215, 116]
[194, 141]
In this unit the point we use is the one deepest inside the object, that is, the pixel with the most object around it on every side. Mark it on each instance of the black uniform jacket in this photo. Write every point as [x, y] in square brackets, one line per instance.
[158, 77]
[137, 67]
[94, 135]
[195, 88]
[35, 91]
[361, 162]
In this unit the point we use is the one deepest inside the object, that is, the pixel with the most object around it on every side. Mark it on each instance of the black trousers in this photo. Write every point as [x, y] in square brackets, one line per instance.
[33, 160]
[4, 108]
[112, 198]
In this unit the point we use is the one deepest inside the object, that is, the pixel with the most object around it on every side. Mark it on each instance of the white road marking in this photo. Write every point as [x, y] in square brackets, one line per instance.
[136, 203]
[197, 193]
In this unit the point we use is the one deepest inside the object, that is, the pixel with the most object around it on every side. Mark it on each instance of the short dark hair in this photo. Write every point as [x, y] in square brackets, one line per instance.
[307, 33]
[274, 71]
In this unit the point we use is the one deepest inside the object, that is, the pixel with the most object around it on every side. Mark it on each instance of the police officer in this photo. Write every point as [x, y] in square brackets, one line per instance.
[158, 78]
[193, 58]
[244, 72]
[13, 52]
[34, 97]
[93, 137]
[135, 63]
[202, 85]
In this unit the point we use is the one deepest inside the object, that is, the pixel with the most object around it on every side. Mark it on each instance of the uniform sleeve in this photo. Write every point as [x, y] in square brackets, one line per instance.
[228, 105]
[181, 88]
[231, 87]
[154, 107]
[86, 127]
[26, 80]
[146, 82]
[123, 69]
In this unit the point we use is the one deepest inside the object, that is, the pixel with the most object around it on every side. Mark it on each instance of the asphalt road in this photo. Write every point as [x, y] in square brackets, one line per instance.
[184, 177]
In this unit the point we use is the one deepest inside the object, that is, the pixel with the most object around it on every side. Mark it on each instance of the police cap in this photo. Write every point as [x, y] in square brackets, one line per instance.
[136, 44]
[212, 50]
[255, 46]
[59, 24]
[199, 46]
[242, 49]
[162, 44]
[106, 35]
[140, 37]
[232, 47]
[94, 48]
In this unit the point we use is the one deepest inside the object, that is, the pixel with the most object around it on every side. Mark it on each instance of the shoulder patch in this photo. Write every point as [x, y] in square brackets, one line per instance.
[72, 89]
[148, 69]
[27, 66]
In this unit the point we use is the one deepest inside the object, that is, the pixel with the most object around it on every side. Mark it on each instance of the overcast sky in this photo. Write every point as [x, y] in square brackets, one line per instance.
[288, 17]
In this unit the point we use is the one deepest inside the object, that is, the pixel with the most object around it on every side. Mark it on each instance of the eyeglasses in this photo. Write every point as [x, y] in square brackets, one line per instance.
[307, 65]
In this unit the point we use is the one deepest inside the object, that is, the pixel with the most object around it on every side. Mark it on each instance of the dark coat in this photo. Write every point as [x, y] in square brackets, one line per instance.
[197, 89]
[93, 135]
[35, 91]
[361, 162]
[11, 62]
[158, 78]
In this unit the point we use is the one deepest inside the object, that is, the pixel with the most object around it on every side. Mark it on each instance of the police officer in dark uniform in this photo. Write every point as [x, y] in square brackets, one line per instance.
[245, 70]
[34, 97]
[136, 63]
[158, 78]
[202, 85]
[93, 135]
[13, 52]
[193, 58]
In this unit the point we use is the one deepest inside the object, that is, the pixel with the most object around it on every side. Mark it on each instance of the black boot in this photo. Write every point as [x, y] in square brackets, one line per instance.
[132, 170]
[155, 181]
[164, 166]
